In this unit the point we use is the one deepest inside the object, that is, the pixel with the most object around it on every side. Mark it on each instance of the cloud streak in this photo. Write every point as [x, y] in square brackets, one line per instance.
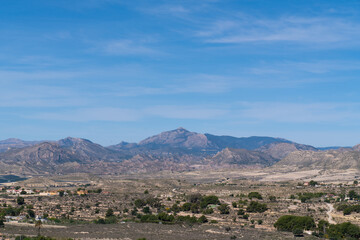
[328, 112]
[127, 47]
[247, 29]
[113, 114]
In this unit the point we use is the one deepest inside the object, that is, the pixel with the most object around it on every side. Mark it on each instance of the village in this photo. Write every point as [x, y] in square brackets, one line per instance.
[238, 203]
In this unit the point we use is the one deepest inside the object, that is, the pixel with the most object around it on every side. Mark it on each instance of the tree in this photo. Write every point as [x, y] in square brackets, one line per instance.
[186, 207]
[109, 213]
[241, 212]
[298, 232]
[146, 210]
[61, 193]
[194, 198]
[207, 200]
[290, 222]
[224, 209]
[322, 225]
[20, 201]
[272, 198]
[352, 194]
[202, 219]
[345, 230]
[139, 203]
[313, 183]
[256, 207]
[254, 195]
[38, 225]
[31, 213]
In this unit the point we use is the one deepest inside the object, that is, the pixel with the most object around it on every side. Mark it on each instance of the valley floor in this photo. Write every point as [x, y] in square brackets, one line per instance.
[150, 231]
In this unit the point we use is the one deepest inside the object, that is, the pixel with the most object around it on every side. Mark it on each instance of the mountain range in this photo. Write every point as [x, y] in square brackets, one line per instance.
[176, 150]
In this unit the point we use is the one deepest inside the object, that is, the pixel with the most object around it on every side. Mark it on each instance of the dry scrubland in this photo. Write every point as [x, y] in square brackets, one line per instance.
[73, 215]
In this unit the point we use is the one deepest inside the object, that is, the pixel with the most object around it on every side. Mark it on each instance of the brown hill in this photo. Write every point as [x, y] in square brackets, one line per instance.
[281, 150]
[15, 143]
[242, 157]
[321, 160]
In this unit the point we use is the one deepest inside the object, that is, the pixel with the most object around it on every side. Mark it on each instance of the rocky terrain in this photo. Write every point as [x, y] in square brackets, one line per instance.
[15, 143]
[183, 141]
[242, 157]
[327, 160]
[280, 150]
[175, 150]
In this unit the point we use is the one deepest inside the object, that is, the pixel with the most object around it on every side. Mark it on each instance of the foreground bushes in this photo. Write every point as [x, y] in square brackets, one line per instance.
[344, 230]
[348, 209]
[289, 223]
[256, 207]
[168, 218]
[297, 224]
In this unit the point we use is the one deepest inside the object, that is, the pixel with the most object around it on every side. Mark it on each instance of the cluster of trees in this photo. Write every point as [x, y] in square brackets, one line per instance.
[313, 183]
[11, 211]
[304, 197]
[345, 230]
[256, 207]
[150, 201]
[110, 218]
[297, 224]
[291, 223]
[198, 203]
[348, 209]
[255, 195]
[168, 218]
[99, 190]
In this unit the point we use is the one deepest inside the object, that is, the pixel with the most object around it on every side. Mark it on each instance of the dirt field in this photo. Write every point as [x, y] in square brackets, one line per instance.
[133, 231]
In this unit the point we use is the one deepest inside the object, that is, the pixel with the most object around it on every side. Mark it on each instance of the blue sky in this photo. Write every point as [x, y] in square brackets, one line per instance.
[113, 70]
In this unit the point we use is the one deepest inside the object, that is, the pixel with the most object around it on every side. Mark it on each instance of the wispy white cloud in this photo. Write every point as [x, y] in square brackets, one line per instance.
[313, 67]
[127, 47]
[168, 9]
[114, 114]
[286, 29]
[299, 112]
[40, 96]
[186, 112]
[90, 114]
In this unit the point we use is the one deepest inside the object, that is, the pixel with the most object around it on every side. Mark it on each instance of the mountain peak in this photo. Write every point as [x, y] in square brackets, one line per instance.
[69, 141]
[179, 137]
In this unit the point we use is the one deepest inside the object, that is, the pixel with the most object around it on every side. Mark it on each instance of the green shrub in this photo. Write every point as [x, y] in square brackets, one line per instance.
[241, 212]
[256, 207]
[208, 200]
[254, 195]
[344, 230]
[186, 207]
[298, 232]
[202, 219]
[289, 223]
[224, 209]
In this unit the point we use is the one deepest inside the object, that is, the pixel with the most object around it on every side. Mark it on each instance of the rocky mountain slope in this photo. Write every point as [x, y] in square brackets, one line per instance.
[281, 150]
[243, 157]
[183, 141]
[15, 143]
[321, 160]
[88, 150]
[176, 150]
